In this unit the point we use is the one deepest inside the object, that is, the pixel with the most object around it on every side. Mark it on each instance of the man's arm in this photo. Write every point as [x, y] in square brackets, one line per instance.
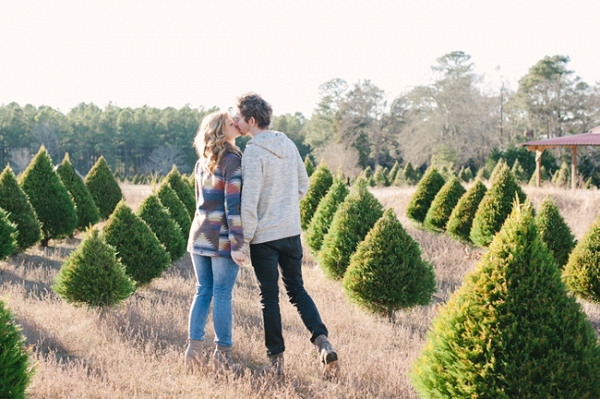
[302, 176]
[251, 188]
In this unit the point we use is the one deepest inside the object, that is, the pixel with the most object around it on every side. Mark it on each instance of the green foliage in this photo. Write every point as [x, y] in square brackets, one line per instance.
[499, 166]
[392, 173]
[562, 177]
[544, 176]
[309, 166]
[103, 187]
[461, 219]
[426, 191]
[442, 205]
[318, 184]
[166, 229]
[185, 195]
[519, 172]
[495, 206]
[15, 371]
[367, 173]
[323, 216]
[387, 273]
[411, 175]
[465, 174]
[137, 247]
[511, 330]
[380, 177]
[87, 212]
[554, 232]
[582, 271]
[20, 212]
[169, 199]
[92, 275]
[350, 224]
[49, 197]
[8, 235]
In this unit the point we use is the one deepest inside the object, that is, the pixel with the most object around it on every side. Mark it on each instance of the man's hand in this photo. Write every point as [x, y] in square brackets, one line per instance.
[239, 257]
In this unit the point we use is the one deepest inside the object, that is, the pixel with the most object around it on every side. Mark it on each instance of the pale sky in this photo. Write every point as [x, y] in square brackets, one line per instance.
[164, 53]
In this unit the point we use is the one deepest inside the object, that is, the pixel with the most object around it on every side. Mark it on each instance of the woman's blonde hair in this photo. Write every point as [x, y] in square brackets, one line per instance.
[210, 141]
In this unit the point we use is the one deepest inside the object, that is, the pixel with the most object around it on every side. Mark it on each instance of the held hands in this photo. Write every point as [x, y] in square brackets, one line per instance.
[239, 257]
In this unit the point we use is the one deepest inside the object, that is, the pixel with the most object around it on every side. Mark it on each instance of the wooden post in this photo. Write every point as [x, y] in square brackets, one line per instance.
[574, 168]
[538, 167]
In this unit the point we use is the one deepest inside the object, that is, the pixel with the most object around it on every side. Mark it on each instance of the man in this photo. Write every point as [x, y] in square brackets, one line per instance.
[274, 179]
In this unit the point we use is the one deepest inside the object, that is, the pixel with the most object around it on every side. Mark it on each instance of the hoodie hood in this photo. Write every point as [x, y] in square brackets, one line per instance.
[272, 141]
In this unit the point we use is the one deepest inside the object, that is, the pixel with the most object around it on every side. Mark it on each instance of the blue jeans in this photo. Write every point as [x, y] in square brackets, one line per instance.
[287, 252]
[215, 277]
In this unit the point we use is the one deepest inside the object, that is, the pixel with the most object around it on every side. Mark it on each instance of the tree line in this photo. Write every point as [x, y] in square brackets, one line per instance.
[455, 120]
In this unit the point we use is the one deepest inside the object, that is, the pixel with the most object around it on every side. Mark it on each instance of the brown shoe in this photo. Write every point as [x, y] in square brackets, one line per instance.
[194, 354]
[327, 356]
[223, 360]
[275, 366]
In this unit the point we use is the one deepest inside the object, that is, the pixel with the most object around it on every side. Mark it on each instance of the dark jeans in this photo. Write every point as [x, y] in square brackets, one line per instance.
[287, 252]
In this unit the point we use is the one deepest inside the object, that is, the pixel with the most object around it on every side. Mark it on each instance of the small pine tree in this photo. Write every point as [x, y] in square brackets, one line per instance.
[461, 219]
[318, 184]
[411, 175]
[391, 177]
[442, 205]
[185, 195]
[367, 173]
[495, 206]
[426, 191]
[323, 216]
[309, 166]
[400, 179]
[511, 330]
[582, 271]
[544, 176]
[92, 275]
[379, 177]
[87, 212]
[562, 177]
[554, 232]
[166, 229]
[8, 235]
[465, 174]
[15, 371]
[20, 212]
[176, 209]
[387, 272]
[519, 172]
[49, 197]
[501, 164]
[350, 224]
[103, 187]
[142, 254]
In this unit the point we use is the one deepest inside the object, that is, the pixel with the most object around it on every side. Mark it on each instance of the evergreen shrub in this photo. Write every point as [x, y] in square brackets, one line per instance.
[103, 187]
[15, 370]
[391, 177]
[442, 205]
[8, 235]
[87, 212]
[350, 224]
[169, 199]
[323, 216]
[166, 229]
[544, 176]
[92, 275]
[501, 164]
[138, 249]
[309, 166]
[185, 195]
[428, 187]
[562, 177]
[519, 172]
[411, 175]
[20, 212]
[511, 330]
[387, 272]
[582, 271]
[49, 197]
[318, 184]
[461, 219]
[554, 232]
[495, 206]
[380, 177]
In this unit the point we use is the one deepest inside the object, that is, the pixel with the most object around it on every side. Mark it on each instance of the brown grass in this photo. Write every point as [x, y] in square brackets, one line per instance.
[135, 350]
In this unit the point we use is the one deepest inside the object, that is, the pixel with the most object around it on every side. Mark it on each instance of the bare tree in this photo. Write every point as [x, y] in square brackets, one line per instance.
[162, 159]
[45, 133]
[19, 159]
[339, 158]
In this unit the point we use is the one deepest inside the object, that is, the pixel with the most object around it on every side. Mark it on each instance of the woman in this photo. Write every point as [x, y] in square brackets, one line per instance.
[215, 240]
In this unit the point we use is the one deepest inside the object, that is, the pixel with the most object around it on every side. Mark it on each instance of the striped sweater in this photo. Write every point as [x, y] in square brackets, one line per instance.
[217, 228]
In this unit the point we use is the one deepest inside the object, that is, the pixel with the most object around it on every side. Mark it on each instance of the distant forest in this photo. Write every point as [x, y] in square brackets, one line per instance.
[455, 120]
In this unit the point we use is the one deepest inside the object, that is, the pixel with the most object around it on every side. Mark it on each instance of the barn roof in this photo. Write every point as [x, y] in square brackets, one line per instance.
[592, 137]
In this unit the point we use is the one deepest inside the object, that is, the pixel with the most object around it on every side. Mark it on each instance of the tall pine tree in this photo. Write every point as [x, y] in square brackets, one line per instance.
[318, 184]
[185, 195]
[166, 229]
[428, 187]
[103, 187]
[461, 219]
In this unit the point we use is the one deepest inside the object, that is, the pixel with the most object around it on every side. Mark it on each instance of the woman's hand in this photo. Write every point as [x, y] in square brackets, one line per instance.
[239, 257]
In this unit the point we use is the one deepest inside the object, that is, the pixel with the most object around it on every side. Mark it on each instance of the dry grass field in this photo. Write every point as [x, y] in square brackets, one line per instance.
[135, 350]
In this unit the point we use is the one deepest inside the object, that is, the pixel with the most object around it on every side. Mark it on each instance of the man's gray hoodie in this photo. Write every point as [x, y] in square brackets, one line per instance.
[274, 179]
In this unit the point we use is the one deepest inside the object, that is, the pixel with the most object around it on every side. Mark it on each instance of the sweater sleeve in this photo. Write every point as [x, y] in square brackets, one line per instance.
[232, 174]
[302, 176]
[252, 178]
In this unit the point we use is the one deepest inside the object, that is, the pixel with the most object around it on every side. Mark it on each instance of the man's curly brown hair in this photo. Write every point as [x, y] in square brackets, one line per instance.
[251, 105]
